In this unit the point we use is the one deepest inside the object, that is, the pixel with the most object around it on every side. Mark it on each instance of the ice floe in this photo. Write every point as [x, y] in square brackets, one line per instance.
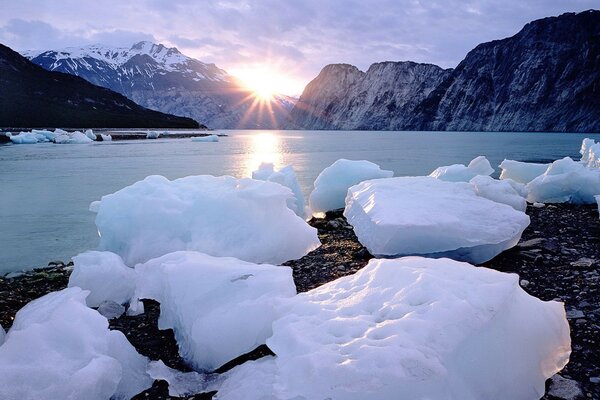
[565, 181]
[105, 275]
[209, 138]
[461, 173]
[286, 177]
[331, 186]
[505, 191]
[410, 328]
[427, 216]
[218, 307]
[521, 172]
[58, 348]
[221, 216]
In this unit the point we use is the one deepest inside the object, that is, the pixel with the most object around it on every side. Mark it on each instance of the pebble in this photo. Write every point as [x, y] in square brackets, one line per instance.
[539, 205]
[524, 283]
[564, 389]
[583, 262]
[575, 314]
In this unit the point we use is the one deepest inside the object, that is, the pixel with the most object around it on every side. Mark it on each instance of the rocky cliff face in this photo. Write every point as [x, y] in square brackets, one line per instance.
[343, 97]
[545, 78]
[164, 79]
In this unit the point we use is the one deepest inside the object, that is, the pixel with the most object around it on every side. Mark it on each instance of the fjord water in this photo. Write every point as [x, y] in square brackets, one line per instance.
[45, 189]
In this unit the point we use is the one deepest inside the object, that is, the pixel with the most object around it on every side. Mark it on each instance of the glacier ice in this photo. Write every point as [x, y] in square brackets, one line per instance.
[505, 191]
[106, 138]
[76, 137]
[152, 135]
[331, 186]
[90, 134]
[58, 348]
[218, 307]
[183, 384]
[590, 153]
[461, 173]
[565, 181]
[222, 216]
[427, 216]
[105, 275]
[286, 177]
[410, 328]
[26, 138]
[521, 172]
[209, 138]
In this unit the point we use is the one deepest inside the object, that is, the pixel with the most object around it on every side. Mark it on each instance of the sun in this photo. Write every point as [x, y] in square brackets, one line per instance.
[264, 80]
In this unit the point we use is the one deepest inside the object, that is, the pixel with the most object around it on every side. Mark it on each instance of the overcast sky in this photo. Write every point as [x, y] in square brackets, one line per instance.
[297, 37]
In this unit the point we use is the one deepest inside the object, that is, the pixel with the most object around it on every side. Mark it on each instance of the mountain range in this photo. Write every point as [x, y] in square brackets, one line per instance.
[544, 78]
[31, 96]
[166, 80]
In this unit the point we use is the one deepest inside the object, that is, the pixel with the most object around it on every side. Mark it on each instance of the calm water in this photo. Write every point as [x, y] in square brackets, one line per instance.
[45, 189]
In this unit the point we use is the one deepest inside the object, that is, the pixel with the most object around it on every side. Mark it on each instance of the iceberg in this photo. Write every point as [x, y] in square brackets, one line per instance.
[285, 177]
[90, 134]
[105, 275]
[428, 216]
[106, 138]
[152, 135]
[58, 348]
[209, 138]
[25, 138]
[331, 186]
[218, 307]
[521, 172]
[460, 173]
[565, 181]
[590, 153]
[410, 328]
[506, 191]
[76, 137]
[221, 216]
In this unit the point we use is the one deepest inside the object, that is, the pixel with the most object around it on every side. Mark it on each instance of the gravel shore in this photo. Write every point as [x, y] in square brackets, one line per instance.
[557, 259]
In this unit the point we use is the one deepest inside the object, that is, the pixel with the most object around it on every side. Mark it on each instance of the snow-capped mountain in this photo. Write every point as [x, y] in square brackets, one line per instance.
[166, 80]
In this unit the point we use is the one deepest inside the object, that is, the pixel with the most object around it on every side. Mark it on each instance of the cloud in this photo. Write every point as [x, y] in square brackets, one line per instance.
[299, 36]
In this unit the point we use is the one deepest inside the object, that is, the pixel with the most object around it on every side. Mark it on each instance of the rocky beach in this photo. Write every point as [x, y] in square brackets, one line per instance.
[556, 259]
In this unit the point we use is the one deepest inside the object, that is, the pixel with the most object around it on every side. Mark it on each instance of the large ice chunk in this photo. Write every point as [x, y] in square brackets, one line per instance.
[506, 191]
[221, 216]
[90, 134]
[427, 216]
[590, 153]
[461, 173]
[412, 328]
[105, 275]
[521, 172]
[208, 138]
[218, 307]
[26, 138]
[58, 348]
[331, 186]
[76, 137]
[565, 181]
[286, 177]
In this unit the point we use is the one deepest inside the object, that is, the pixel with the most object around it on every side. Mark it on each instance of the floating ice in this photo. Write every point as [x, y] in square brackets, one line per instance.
[106, 138]
[105, 275]
[94, 206]
[331, 186]
[221, 216]
[58, 348]
[152, 135]
[218, 307]
[521, 172]
[410, 328]
[460, 173]
[26, 138]
[506, 191]
[183, 384]
[286, 177]
[565, 181]
[427, 216]
[76, 137]
[590, 153]
[90, 134]
[209, 138]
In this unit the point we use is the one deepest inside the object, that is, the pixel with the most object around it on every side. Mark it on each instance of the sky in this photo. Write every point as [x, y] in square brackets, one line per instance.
[286, 41]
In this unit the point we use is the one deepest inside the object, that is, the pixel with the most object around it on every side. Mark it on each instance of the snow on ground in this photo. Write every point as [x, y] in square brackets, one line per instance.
[427, 216]
[521, 172]
[331, 186]
[220, 216]
[505, 191]
[209, 138]
[410, 328]
[590, 153]
[218, 307]
[58, 348]
[461, 173]
[565, 181]
[105, 275]
[286, 177]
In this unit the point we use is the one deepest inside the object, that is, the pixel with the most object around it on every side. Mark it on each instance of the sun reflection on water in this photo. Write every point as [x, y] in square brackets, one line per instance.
[265, 147]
